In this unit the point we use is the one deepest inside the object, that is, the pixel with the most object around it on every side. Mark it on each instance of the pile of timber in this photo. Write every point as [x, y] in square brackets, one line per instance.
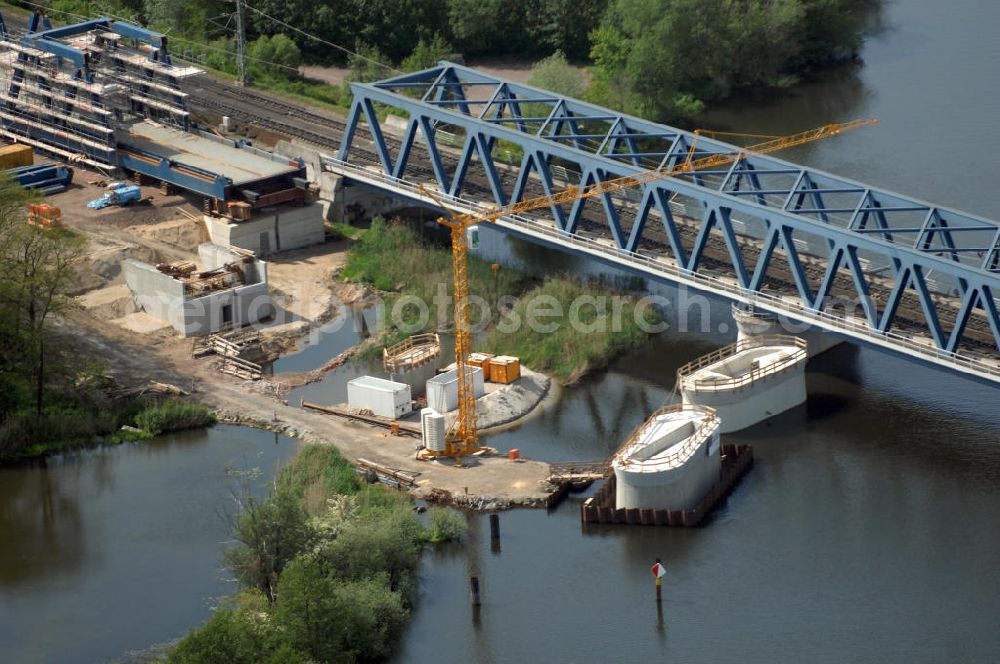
[397, 428]
[378, 472]
[234, 348]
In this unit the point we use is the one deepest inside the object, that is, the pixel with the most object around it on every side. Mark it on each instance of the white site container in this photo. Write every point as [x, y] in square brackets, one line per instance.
[432, 425]
[442, 390]
[383, 397]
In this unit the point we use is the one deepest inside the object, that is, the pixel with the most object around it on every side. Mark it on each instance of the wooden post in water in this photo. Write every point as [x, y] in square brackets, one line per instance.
[474, 588]
[494, 526]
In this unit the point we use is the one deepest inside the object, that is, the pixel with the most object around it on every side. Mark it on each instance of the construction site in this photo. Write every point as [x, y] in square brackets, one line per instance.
[662, 354]
[200, 237]
[208, 257]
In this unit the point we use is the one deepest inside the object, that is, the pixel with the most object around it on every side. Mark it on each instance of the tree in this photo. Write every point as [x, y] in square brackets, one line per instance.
[275, 56]
[270, 533]
[564, 25]
[37, 272]
[337, 620]
[368, 64]
[663, 58]
[484, 26]
[182, 16]
[555, 74]
[427, 54]
[658, 58]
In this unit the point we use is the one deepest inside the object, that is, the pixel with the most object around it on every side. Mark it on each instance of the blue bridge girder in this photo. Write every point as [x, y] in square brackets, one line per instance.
[835, 235]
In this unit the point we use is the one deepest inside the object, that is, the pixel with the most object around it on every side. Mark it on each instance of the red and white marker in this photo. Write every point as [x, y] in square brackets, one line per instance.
[659, 571]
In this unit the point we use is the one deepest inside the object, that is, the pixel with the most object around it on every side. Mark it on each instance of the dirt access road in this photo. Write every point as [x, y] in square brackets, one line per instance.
[484, 483]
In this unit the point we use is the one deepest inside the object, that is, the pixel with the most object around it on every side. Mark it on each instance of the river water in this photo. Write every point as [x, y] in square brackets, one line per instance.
[866, 531]
[118, 548]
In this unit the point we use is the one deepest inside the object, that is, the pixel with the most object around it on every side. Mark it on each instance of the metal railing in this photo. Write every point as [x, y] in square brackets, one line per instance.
[709, 423]
[772, 303]
[419, 347]
[686, 381]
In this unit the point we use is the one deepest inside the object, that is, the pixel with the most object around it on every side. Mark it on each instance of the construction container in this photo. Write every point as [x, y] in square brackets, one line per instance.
[432, 426]
[442, 390]
[505, 369]
[12, 156]
[481, 360]
[384, 398]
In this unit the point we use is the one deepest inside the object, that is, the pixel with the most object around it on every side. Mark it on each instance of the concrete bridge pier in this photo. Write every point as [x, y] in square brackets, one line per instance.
[755, 323]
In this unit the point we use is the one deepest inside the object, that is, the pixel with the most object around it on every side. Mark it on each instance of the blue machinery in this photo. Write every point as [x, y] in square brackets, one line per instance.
[858, 261]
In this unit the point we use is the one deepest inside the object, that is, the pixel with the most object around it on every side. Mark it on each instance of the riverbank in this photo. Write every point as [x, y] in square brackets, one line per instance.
[59, 430]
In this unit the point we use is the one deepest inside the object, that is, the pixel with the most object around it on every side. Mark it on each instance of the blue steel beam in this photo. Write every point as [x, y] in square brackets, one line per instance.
[870, 226]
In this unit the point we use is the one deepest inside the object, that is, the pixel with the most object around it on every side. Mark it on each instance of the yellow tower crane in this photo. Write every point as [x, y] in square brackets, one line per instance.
[462, 438]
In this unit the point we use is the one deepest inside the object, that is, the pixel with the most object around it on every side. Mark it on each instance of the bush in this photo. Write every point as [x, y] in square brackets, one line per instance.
[386, 541]
[174, 415]
[270, 534]
[317, 473]
[445, 525]
[237, 635]
[337, 620]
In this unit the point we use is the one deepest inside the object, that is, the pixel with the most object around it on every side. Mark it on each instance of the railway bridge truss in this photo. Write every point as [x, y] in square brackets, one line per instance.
[857, 261]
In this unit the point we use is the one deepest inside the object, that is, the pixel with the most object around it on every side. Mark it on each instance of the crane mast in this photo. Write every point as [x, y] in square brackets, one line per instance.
[462, 438]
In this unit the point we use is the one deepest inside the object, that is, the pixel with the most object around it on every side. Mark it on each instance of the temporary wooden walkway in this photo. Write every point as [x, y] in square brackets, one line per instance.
[736, 461]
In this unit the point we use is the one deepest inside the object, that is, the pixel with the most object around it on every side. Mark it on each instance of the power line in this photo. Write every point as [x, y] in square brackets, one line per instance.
[320, 39]
[172, 38]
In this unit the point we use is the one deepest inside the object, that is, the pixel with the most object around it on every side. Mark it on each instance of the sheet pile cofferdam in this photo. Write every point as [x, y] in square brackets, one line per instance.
[671, 461]
[748, 381]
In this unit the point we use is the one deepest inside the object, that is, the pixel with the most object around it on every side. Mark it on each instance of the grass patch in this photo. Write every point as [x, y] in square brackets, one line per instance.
[392, 257]
[174, 415]
[339, 230]
[590, 326]
[66, 426]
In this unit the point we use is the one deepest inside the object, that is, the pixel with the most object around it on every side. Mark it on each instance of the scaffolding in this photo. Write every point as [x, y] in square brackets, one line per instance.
[72, 90]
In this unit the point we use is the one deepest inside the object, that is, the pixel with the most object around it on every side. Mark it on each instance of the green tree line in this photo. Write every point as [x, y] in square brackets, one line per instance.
[51, 397]
[662, 59]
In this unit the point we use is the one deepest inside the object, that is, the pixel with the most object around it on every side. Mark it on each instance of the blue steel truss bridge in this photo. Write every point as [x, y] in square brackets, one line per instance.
[857, 261]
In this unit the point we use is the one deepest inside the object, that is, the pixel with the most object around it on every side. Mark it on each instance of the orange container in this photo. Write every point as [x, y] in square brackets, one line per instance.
[505, 369]
[514, 454]
[481, 360]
